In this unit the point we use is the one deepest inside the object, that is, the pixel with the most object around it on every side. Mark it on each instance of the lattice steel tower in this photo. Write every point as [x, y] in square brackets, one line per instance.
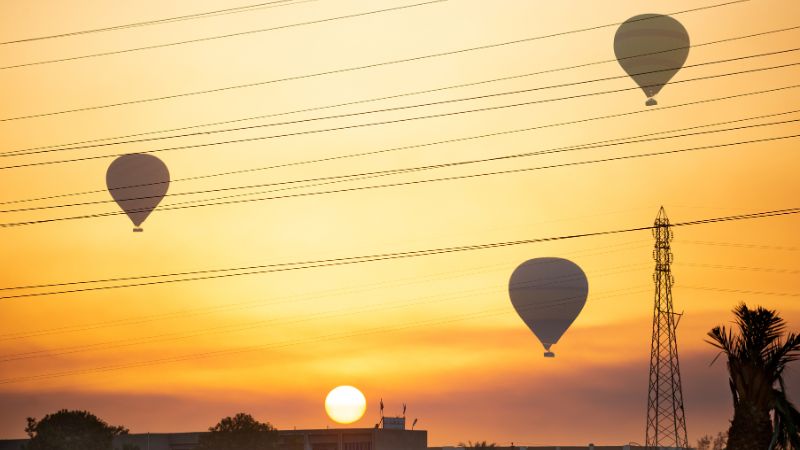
[666, 423]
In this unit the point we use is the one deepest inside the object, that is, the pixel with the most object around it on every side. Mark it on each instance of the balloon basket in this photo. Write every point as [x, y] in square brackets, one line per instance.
[651, 102]
[549, 355]
[138, 230]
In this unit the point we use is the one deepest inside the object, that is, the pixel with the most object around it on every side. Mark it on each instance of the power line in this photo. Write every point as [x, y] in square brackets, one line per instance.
[319, 181]
[342, 70]
[194, 312]
[294, 299]
[405, 94]
[347, 312]
[166, 275]
[408, 183]
[459, 177]
[742, 268]
[269, 268]
[394, 121]
[401, 108]
[743, 291]
[299, 265]
[743, 245]
[376, 174]
[223, 36]
[408, 147]
[238, 9]
[169, 337]
[240, 327]
[325, 338]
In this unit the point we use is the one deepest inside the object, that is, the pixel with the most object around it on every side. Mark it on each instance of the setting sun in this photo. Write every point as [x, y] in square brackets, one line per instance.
[345, 404]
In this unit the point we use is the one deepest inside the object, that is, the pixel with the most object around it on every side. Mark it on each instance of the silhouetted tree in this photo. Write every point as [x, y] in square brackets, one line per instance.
[757, 356]
[720, 442]
[241, 432]
[71, 430]
[477, 444]
[709, 442]
[704, 443]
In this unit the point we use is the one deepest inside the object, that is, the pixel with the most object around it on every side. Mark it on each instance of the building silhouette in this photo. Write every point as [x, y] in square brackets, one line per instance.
[314, 439]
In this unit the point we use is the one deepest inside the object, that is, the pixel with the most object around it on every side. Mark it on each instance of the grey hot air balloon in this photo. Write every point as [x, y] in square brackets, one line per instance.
[137, 182]
[651, 48]
[548, 294]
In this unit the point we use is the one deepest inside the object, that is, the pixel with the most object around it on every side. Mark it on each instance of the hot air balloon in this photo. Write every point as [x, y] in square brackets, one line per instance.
[548, 294]
[137, 182]
[651, 48]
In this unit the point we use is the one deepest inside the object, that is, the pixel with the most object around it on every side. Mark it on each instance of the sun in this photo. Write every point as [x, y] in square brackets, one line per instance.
[345, 404]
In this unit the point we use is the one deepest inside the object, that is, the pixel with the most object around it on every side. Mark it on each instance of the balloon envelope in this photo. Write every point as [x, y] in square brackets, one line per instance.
[548, 294]
[137, 182]
[651, 48]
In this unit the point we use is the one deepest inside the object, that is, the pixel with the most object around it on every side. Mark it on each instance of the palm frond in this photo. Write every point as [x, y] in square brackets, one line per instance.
[760, 329]
[781, 354]
[721, 339]
[787, 422]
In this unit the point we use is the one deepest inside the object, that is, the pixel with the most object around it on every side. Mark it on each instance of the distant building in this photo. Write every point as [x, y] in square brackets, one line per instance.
[323, 439]
[394, 423]
[354, 439]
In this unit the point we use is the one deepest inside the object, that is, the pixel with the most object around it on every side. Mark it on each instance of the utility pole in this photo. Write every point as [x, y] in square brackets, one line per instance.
[666, 422]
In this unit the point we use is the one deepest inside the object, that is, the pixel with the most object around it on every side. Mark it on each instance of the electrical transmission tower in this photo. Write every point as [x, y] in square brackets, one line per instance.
[666, 423]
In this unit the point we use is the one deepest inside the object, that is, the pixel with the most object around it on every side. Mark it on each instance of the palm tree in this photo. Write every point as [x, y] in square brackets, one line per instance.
[763, 417]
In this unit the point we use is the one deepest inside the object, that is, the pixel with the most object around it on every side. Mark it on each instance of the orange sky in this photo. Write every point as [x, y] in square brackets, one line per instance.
[448, 342]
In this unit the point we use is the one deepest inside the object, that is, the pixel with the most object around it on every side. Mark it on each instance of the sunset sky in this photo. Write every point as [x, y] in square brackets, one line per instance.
[436, 332]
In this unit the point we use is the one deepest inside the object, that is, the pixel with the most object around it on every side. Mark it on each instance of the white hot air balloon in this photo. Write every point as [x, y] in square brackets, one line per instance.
[548, 294]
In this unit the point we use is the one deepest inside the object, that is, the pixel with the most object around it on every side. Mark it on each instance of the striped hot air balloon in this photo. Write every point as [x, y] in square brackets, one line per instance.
[651, 48]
